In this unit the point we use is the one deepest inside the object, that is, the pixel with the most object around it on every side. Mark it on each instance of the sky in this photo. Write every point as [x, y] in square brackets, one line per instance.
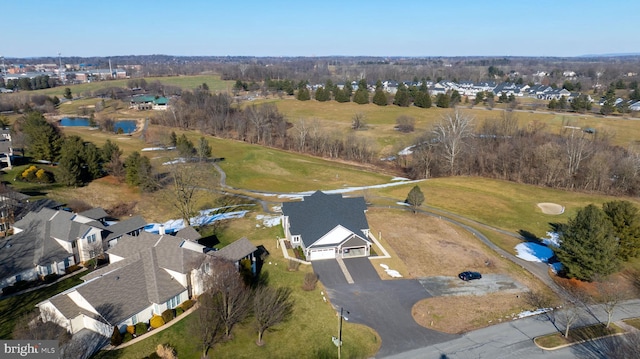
[421, 28]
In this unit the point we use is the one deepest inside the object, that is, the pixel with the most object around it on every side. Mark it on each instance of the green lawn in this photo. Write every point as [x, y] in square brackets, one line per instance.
[577, 335]
[16, 307]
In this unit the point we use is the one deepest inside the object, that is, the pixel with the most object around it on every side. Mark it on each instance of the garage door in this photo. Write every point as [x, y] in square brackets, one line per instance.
[316, 254]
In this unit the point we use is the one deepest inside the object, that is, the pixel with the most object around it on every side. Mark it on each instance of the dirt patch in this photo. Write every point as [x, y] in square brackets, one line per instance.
[460, 314]
[551, 208]
[430, 246]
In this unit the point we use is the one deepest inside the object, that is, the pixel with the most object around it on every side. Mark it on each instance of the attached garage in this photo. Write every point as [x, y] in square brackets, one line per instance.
[321, 253]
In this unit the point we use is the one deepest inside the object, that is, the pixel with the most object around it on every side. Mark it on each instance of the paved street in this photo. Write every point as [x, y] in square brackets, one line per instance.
[514, 339]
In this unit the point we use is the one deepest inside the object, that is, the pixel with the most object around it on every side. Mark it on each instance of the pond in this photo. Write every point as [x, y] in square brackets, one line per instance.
[74, 121]
[127, 126]
[122, 126]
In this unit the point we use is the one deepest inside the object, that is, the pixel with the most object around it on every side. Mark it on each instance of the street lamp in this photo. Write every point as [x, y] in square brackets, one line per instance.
[338, 341]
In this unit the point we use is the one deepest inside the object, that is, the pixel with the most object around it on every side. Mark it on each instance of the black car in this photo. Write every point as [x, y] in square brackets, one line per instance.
[468, 275]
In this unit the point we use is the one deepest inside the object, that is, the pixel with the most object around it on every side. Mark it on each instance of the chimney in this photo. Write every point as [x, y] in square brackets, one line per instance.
[161, 229]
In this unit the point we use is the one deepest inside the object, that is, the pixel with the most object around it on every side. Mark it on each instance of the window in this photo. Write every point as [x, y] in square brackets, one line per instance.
[207, 268]
[295, 239]
[173, 302]
[134, 319]
[91, 238]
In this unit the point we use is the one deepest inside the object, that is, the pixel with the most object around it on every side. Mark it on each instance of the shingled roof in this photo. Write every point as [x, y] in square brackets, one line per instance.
[236, 250]
[319, 213]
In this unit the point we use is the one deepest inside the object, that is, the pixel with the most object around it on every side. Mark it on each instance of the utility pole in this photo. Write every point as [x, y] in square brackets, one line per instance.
[338, 341]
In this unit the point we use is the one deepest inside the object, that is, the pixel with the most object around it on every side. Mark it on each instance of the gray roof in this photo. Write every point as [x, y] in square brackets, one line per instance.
[94, 213]
[125, 227]
[31, 247]
[189, 233]
[236, 250]
[69, 309]
[319, 213]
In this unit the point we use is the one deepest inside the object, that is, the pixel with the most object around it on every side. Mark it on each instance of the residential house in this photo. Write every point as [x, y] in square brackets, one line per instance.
[6, 147]
[327, 226]
[49, 241]
[147, 275]
[635, 106]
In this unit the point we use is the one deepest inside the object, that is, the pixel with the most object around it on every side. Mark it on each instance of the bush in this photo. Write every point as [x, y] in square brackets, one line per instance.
[293, 265]
[168, 315]
[179, 311]
[131, 329]
[50, 278]
[127, 337]
[187, 304]
[72, 268]
[156, 322]
[141, 328]
[116, 337]
[310, 280]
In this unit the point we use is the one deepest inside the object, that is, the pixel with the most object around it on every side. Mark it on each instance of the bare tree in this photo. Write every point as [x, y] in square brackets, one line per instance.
[40, 325]
[610, 295]
[208, 325]
[578, 146]
[270, 307]
[301, 132]
[359, 121]
[451, 133]
[186, 179]
[230, 297]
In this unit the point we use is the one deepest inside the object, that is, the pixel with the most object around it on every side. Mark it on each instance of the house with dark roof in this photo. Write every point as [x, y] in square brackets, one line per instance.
[327, 226]
[49, 241]
[147, 275]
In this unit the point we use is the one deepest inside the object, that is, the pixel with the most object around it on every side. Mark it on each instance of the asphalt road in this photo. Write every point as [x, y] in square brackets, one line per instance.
[384, 306]
[514, 339]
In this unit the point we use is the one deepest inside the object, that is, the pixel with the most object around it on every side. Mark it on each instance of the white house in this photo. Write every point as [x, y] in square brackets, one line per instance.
[327, 226]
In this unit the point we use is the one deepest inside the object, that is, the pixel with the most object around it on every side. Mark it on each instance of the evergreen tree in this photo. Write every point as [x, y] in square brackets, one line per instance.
[322, 94]
[92, 158]
[562, 103]
[71, 163]
[204, 149]
[455, 98]
[173, 139]
[608, 106]
[348, 89]
[415, 198]
[362, 93]
[303, 94]
[379, 97]
[341, 96]
[139, 172]
[626, 225]
[402, 96]
[185, 147]
[588, 246]
[423, 98]
[67, 93]
[43, 139]
[442, 100]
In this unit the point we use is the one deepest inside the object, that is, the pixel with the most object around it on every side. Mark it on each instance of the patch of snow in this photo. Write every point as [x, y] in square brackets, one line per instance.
[393, 273]
[158, 148]
[205, 217]
[403, 204]
[268, 221]
[552, 239]
[276, 209]
[177, 160]
[556, 267]
[384, 266]
[399, 179]
[530, 313]
[299, 195]
[533, 252]
[406, 151]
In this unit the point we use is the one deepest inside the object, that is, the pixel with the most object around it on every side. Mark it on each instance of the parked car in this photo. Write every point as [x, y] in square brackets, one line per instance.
[468, 275]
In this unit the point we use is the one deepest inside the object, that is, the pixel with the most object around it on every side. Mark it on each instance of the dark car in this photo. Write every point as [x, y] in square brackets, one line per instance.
[468, 275]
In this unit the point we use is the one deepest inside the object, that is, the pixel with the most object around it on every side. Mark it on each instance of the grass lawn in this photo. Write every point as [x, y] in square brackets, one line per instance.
[307, 334]
[507, 205]
[13, 308]
[634, 322]
[577, 335]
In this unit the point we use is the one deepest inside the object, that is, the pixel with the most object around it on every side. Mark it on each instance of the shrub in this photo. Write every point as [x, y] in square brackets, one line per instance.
[168, 315]
[50, 278]
[127, 337]
[72, 268]
[187, 304]
[310, 280]
[116, 337]
[141, 328]
[156, 321]
[131, 329]
[165, 351]
[179, 311]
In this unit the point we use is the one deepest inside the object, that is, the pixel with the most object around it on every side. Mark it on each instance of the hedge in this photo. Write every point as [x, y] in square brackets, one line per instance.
[168, 315]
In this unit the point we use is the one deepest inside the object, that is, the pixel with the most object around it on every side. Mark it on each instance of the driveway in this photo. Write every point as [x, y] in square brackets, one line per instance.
[384, 305]
[489, 283]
